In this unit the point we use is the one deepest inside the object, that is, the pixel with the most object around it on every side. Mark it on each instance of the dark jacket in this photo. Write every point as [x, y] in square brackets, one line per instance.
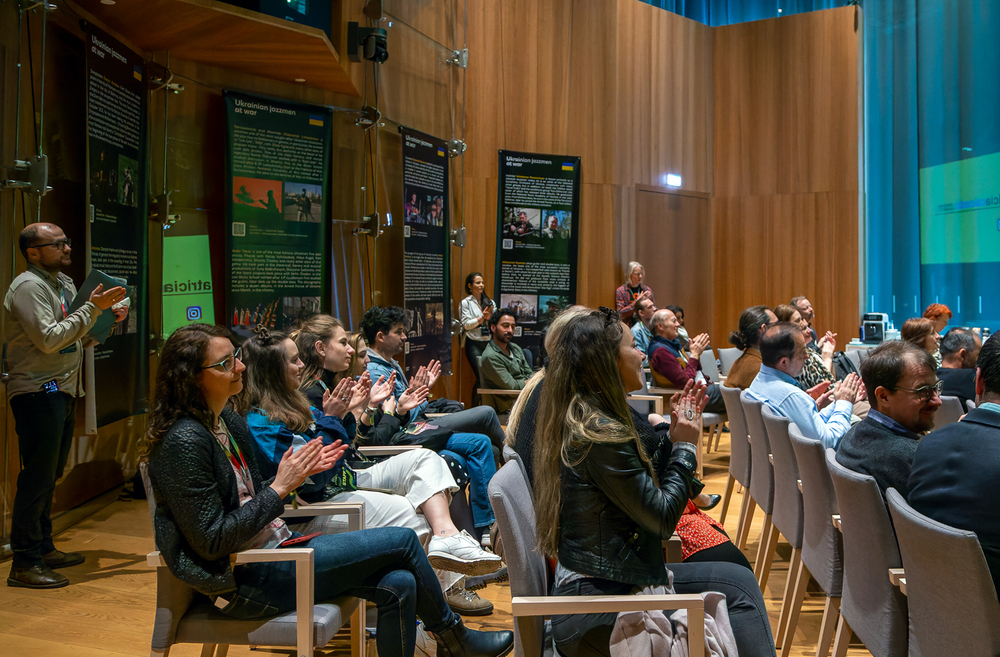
[958, 383]
[955, 479]
[874, 449]
[199, 521]
[614, 518]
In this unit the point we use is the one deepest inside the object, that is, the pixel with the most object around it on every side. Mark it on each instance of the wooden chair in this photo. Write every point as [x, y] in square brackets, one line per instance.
[185, 616]
[530, 602]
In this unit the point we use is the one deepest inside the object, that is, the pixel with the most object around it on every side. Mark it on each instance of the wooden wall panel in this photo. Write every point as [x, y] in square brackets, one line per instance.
[785, 152]
[665, 90]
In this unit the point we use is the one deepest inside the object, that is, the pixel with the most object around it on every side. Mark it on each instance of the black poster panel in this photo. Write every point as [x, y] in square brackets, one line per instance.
[277, 182]
[538, 229]
[426, 295]
[116, 145]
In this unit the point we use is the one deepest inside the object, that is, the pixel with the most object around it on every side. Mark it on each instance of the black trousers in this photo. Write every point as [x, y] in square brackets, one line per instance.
[44, 424]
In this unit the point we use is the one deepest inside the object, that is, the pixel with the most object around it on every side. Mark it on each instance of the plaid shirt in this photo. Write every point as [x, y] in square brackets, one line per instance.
[625, 304]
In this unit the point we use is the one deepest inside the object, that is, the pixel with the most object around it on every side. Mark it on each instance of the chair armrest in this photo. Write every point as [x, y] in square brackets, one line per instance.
[557, 605]
[836, 521]
[896, 574]
[498, 391]
[656, 399]
[433, 415]
[799, 484]
[355, 512]
[155, 559]
[386, 450]
[673, 551]
[656, 390]
[770, 459]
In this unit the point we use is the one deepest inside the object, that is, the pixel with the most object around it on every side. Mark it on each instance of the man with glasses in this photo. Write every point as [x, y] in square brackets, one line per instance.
[955, 478]
[44, 348]
[904, 393]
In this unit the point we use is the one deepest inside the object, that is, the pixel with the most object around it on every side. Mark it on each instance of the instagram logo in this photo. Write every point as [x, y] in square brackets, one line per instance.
[193, 313]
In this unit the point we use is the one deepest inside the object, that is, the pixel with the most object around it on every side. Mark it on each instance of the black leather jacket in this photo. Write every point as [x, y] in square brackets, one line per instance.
[614, 518]
[199, 521]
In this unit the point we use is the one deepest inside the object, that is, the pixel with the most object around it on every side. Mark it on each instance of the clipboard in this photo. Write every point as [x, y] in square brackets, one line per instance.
[106, 321]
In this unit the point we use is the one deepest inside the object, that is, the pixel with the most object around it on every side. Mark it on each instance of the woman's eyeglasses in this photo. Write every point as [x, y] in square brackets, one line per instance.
[228, 363]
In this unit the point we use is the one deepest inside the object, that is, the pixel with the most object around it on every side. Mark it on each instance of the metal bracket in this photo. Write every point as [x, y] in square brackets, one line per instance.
[370, 225]
[31, 174]
[458, 237]
[459, 58]
[161, 211]
[456, 147]
[28, 5]
[368, 117]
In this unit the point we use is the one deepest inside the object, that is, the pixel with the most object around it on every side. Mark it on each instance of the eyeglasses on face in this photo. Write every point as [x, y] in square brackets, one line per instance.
[926, 392]
[228, 363]
[60, 244]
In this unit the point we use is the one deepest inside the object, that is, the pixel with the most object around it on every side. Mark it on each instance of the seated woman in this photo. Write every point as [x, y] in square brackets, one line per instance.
[921, 332]
[818, 368]
[602, 507]
[330, 359]
[753, 321]
[419, 481]
[702, 538]
[211, 501]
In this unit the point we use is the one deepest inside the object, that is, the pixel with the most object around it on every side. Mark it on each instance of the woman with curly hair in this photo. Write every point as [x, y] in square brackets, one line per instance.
[212, 502]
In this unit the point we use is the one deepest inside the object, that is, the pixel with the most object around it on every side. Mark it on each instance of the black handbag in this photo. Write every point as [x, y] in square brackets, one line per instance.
[425, 433]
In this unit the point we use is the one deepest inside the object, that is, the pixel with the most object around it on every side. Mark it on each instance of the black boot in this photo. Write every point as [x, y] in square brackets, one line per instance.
[460, 641]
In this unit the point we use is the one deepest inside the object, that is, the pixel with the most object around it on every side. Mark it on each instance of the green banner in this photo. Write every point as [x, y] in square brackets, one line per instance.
[187, 282]
[278, 157]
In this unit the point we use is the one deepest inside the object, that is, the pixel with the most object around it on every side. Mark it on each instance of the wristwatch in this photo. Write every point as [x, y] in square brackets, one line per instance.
[371, 410]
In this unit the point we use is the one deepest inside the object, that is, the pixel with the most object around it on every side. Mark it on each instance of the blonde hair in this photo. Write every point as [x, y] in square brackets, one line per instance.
[318, 328]
[631, 268]
[356, 340]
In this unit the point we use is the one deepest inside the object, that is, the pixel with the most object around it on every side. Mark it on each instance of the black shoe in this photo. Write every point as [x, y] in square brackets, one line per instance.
[460, 641]
[60, 559]
[713, 502]
[36, 577]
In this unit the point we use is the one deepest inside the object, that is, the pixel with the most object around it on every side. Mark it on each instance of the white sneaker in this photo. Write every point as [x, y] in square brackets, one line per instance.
[426, 645]
[461, 554]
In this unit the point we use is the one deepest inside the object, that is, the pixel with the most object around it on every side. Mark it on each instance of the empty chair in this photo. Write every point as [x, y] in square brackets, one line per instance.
[786, 516]
[949, 591]
[822, 546]
[710, 365]
[970, 404]
[951, 410]
[870, 605]
[529, 588]
[728, 356]
[762, 479]
[855, 356]
[739, 460]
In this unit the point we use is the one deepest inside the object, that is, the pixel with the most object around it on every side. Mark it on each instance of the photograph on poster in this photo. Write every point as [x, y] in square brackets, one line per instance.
[557, 224]
[296, 309]
[422, 208]
[414, 321]
[302, 202]
[128, 174]
[550, 305]
[257, 193]
[434, 318]
[521, 222]
[524, 306]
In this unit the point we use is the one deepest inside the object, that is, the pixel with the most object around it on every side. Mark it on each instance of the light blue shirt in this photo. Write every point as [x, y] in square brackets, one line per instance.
[378, 366]
[642, 336]
[990, 406]
[782, 395]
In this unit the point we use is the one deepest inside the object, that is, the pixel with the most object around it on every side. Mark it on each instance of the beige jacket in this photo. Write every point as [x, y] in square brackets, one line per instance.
[42, 344]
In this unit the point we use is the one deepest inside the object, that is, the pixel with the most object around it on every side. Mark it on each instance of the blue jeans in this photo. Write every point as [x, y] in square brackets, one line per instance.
[589, 635]
[473, 451]
[386, 565]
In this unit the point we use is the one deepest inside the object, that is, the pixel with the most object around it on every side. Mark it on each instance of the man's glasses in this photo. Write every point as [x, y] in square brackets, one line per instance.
[60, 245]
[228, 363]
[926, 392]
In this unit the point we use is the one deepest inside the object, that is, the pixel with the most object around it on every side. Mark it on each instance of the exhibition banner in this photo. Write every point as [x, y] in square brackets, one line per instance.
[426, 296]
[187, 282]
[538, 204]
[116, 145]
[278, 168]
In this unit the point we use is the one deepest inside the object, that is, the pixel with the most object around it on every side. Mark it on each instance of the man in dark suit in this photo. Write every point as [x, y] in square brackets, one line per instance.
[902, 389]
[959, 352]
[955, 478]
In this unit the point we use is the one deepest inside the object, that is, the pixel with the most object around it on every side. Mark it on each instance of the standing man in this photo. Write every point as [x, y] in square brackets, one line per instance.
[806, 310]
[503, 365]
[644, 309]
[45, 344]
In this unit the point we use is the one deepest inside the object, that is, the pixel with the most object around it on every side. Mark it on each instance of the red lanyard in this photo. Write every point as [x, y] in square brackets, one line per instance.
[239, 463]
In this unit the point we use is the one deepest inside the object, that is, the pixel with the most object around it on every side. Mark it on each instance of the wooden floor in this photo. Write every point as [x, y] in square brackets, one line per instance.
[107, 611]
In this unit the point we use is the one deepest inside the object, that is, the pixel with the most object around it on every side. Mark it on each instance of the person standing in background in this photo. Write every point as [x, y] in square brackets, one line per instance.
[474, 313]
[632, 291]
[45, 344]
